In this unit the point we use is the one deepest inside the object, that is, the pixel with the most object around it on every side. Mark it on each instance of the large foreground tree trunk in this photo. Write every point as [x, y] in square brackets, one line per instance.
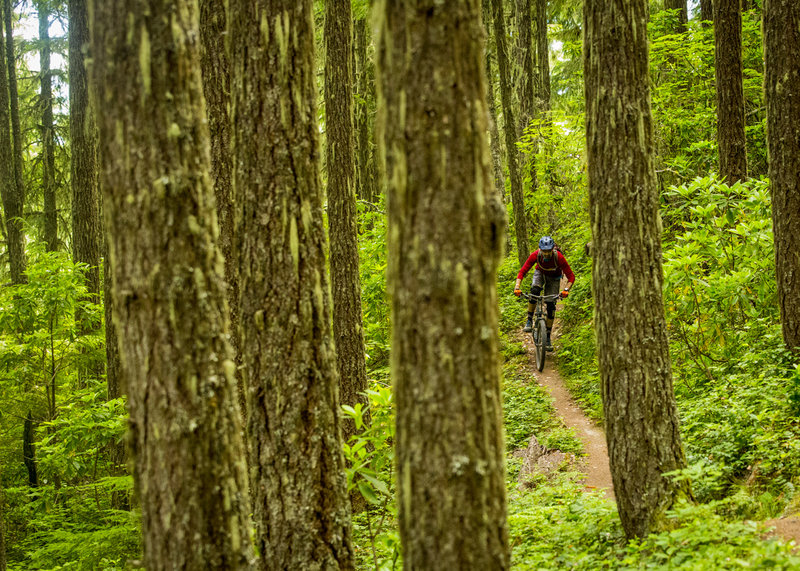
[782, 91]
[348, 332]
[633, 352]
[730, 91]
[445, 236]
[517, 196]
[169, 291]
[300, 498]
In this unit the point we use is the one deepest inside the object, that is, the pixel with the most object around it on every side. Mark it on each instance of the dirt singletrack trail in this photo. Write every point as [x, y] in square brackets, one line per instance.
[595, 463]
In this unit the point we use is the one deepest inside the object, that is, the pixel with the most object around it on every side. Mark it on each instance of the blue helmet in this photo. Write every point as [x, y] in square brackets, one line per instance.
[546, 243]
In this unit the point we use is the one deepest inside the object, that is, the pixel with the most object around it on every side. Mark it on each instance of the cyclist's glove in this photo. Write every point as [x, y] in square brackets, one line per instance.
[564, 294]
[517, 292]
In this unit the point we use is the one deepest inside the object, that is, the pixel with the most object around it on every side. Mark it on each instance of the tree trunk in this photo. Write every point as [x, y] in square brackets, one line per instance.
[782, 94]
[730, 92]
[83, 171]
[682, 14]
[169, 292]
[16, 203]
[526, 83]
[48, 156]
[348, 333]
[29, 451]
[441, 277]
[706, 12]
[297, 472]
[216, 89]
[542, 55]
[632, 347]
[517, 196]
[7, 188]
[366, 175]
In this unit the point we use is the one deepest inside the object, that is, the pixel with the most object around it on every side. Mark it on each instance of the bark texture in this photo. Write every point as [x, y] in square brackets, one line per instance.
[682, 14]
[366, 171]
[782, 93]
[16, 193]
[29, 451]
[730, 91]
[169, 296]
[301, 506]
[7, 186]
[48, 156]
[633, 354]
[2, 526]
[217, 92]
[348, 333]
[441, 278]
[517, 196]
[526, 81]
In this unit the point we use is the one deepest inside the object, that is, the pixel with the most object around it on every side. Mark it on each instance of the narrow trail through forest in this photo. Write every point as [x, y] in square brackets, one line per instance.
[595, 464]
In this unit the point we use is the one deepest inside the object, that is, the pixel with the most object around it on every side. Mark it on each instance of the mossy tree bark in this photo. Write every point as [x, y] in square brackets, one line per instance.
[16, 192]
[2, 526]
[217, 92]
[730, 91]
[169, 293]
[633, 353]
[441, 278]
[782, 93]
[348, 333]
[48, 155]
[517, 196]
[301, 506]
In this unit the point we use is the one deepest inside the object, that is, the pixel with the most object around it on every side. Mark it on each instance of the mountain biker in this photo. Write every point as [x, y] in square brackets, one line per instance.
[550, 265]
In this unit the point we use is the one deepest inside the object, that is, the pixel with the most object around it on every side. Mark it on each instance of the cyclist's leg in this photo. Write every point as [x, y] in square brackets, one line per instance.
[536, 289]
[551, 287]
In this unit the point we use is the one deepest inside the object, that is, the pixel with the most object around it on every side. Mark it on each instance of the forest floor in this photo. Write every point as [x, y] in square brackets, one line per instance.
[595, 462]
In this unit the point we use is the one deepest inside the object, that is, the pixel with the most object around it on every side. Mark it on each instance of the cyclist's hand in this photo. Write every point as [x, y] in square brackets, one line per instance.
[564, 294]
[518, 292]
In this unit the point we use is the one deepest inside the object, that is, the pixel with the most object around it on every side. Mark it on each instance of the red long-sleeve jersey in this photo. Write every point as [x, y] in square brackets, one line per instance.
[561, 265]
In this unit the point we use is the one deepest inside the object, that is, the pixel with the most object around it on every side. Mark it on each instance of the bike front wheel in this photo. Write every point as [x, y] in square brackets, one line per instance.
[541, 344]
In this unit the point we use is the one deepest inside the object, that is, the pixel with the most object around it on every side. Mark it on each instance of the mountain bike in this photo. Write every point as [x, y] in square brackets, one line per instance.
[539, 332]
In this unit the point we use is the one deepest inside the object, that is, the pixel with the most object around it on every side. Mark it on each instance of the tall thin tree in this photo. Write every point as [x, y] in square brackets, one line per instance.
[632, 347]
[730, 91]
[48, 156]
[706, 12]
[169, 285]
[542, 54]
[348, 332]
[11, 206]
[17, 192]
[782, 94]
[83, 164]
[517, 196]
[442, 283]
[300, 502]
[366, 172]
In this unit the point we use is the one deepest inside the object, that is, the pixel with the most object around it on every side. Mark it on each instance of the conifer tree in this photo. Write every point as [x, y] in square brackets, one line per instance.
[445, 237]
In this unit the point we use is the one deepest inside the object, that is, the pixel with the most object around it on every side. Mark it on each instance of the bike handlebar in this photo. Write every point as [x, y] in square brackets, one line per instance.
[534, 298]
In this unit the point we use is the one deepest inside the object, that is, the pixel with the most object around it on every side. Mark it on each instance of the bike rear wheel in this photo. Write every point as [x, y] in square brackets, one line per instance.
[541, 343]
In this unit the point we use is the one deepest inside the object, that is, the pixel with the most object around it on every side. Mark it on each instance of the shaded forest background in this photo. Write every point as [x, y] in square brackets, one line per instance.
[65, 489]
